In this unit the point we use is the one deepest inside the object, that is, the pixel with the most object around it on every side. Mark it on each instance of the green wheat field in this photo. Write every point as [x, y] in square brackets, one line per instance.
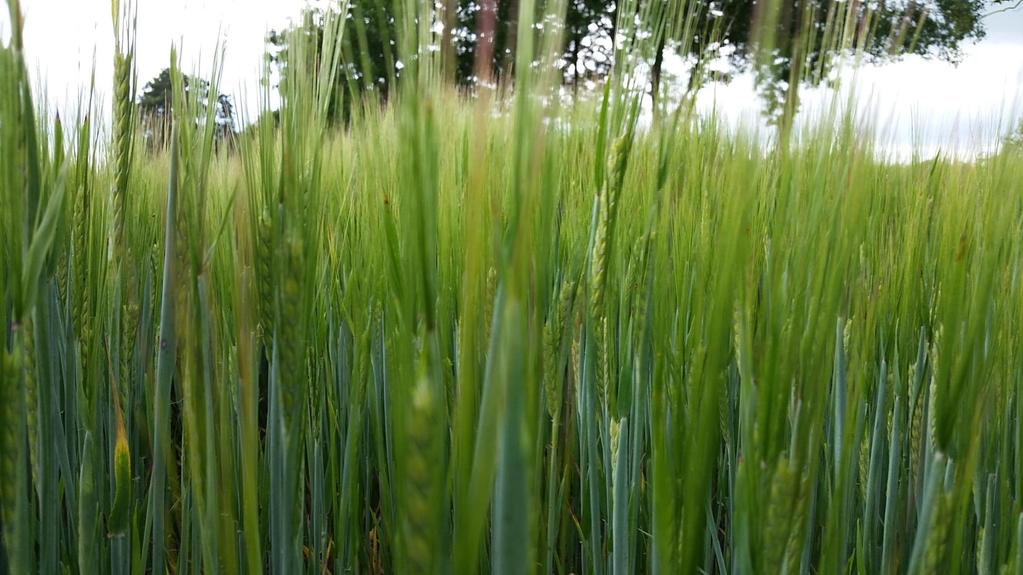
[500, 332]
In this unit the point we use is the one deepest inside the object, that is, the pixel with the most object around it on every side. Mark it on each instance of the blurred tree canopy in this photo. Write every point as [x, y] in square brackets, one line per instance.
[761, 36]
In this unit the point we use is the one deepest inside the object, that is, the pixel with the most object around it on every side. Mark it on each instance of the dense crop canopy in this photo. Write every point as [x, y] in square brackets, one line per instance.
[489, 332]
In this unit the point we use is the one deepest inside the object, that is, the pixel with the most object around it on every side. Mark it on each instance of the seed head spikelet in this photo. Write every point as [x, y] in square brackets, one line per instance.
[794, 545]
[9, 385]
[783, 498]
[614, 432]
[934, 560]
[28, 364]
[552, 339]
[916, 430]
[81, 298]
[291, 340]
[123, 111]
[129, 333]
[607, 213]
[424, 455]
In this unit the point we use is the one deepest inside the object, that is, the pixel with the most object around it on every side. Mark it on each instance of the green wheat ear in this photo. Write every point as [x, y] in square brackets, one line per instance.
[936, 551]
[781, 505]
[420, 529]
[553, 335]
[31, 394]
[123, 110]
[291, 340]
[8, 433]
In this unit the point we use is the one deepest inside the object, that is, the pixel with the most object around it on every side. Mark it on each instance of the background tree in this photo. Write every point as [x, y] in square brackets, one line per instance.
[371, 65]
[784, 42]
[157, 100]
[589, 36]
[278, 54]
[1015, 138]
[158, 94]
[483, 30]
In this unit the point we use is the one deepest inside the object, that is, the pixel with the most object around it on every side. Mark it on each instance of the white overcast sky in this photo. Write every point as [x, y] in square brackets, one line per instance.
[917, 103]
